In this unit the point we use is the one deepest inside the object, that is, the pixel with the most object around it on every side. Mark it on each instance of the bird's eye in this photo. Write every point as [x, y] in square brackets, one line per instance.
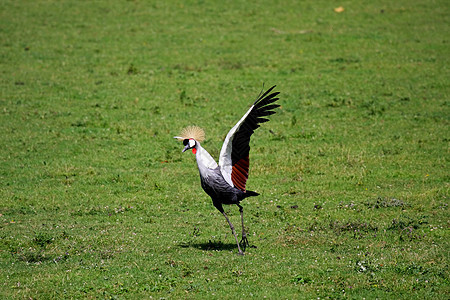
[185, 142]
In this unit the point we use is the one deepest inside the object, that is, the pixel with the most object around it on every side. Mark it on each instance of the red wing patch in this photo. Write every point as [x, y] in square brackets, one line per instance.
[239, 174]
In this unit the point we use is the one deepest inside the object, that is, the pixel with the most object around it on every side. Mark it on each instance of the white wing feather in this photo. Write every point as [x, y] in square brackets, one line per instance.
[225, 153]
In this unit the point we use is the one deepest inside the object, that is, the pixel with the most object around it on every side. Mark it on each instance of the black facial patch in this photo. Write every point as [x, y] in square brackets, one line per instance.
[185, 141]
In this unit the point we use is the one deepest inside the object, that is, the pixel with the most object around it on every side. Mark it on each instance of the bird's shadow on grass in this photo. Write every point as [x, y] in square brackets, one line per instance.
[209, 246]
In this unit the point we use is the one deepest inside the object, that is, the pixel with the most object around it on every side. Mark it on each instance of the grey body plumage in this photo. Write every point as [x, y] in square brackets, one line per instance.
[220, 191]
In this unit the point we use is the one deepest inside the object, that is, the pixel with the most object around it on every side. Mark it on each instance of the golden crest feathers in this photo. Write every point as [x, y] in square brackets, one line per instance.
[192, 132]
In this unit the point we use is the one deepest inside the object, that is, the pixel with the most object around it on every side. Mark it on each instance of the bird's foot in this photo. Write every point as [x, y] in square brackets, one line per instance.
[244, 243]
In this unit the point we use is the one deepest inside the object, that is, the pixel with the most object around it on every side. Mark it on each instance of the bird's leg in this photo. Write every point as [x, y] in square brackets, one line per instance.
[244, 240]
[234, 233]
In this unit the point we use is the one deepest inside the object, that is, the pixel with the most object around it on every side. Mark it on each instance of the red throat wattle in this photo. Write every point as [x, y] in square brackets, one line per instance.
[194, 150]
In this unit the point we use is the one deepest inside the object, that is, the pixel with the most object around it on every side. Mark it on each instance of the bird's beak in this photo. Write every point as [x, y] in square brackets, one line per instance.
[186, 148]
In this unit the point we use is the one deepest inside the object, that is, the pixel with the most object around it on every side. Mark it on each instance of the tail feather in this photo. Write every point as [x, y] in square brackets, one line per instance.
[250, 194]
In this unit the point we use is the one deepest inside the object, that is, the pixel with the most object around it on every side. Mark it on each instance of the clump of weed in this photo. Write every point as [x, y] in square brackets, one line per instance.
[38, 249]
[374, 107]
[408, 228]
[102, 211]
[34, 251]
[290, 235]
[195, 231]
[42, 239]
[339, 102]
[132, 70]
[386, 202]
[300, 279]
[318, 206]
[350, 205]
[345, 60]
[359, 229]
[405, 221]
[31, 255]
[442, 205]
[162, 283]
[367, 265]
[410, 269]
[185, 99]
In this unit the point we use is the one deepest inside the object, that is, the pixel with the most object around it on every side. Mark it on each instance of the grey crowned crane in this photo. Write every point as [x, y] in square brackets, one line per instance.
[225, 182]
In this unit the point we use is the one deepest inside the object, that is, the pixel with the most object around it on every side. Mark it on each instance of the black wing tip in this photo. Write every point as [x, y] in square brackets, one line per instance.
[263, 96]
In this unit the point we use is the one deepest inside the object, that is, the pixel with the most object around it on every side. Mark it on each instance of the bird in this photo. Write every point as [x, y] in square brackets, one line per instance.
[226, 182]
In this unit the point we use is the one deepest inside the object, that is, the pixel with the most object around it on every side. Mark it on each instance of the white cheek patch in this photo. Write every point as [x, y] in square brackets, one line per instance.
[191, 143]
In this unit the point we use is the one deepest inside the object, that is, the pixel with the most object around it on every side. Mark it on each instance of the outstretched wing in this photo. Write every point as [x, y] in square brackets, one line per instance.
[233, 160]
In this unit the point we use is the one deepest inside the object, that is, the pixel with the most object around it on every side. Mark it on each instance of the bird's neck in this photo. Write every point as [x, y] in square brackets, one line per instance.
[204, 159]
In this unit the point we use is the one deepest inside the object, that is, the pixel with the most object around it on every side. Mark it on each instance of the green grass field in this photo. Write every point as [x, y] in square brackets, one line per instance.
[97, 200]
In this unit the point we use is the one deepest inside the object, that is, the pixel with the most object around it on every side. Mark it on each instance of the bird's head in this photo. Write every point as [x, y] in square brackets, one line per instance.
[191, 136]
[189, 144]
